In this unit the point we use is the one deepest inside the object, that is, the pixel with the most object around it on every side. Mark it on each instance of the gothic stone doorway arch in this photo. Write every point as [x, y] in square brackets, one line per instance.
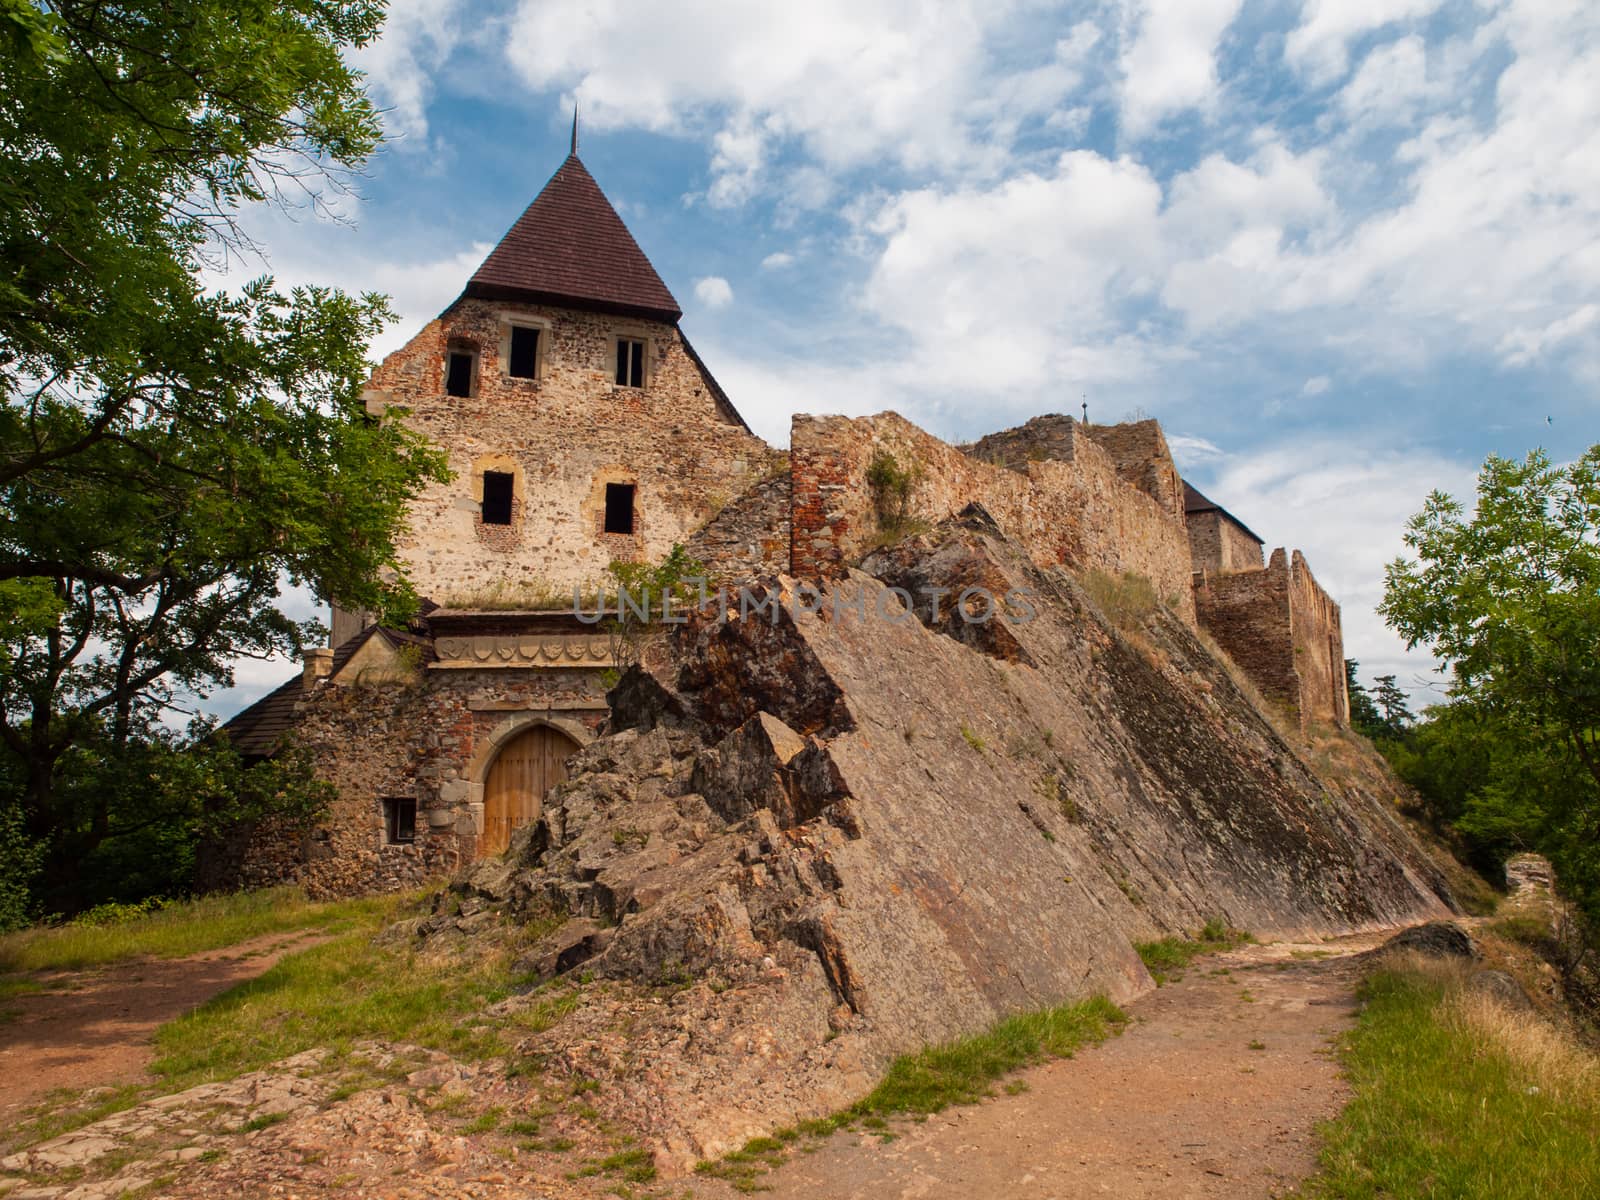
[528, 765]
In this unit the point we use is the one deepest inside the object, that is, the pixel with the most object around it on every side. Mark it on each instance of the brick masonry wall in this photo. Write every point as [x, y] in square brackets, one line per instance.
[750, 536]
[562, 437]
[431, 739]
[1139, 450]
[1078, 510]
[1318, 647]
[1218, 545]
[1283, 631]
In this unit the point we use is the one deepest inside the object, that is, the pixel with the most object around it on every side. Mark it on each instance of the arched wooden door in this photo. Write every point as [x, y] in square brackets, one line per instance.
[528, 766]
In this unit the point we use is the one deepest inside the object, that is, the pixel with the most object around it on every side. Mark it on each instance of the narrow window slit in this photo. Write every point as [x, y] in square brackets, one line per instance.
[400, 819]
[619, 508]
[497, 491]
[524, 362]
[630, 362]
[458, 378]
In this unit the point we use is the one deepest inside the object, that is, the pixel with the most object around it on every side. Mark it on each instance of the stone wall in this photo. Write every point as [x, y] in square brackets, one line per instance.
[1318, 647]
[431, 739]
[1283, 631]
[1074, 507]
[1139, 449]
[749, 537]
[1219, 545]
[562, 436]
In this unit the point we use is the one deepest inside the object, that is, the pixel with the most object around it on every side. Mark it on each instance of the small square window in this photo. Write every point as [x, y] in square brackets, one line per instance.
[523, 360]
[497, 492]
[619, 508]
[399, 819]
[458, 376]
[630, 362]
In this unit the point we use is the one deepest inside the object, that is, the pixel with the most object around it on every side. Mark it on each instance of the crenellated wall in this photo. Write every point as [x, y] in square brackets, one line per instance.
[1283, 631]
[1074, 507]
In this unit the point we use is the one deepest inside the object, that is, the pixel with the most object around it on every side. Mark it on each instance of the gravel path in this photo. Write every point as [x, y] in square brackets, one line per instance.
[1216, 1089]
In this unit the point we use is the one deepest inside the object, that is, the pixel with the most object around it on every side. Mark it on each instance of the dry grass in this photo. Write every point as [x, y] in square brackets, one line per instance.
[1459, 1095]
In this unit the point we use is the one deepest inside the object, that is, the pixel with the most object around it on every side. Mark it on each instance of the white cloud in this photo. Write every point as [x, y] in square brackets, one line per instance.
[1345, 507]
[713, 291]
[1389, 86]
[1522, 346]
[1018, 284]
[417, 37]
[1319, 47]
[1188, 450]
[777, 261]
[1170, 64]
[1316, 385]
[855, 82]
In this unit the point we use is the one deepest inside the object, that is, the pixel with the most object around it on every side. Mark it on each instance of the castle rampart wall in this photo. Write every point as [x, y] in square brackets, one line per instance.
[1077, 511]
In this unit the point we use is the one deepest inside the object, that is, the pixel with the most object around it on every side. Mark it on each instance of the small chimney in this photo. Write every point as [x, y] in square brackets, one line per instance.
[318, 666]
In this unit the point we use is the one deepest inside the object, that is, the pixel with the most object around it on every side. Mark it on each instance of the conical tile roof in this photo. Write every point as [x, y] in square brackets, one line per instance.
[571, 248]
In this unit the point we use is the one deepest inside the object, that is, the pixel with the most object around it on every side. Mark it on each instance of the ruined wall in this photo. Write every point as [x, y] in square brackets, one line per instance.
[563, 437]
[1283, 630]
[1077, 510]
[431, 739]
[1318, 647]
[749, 536]
[1218, 545]
[1139, 450]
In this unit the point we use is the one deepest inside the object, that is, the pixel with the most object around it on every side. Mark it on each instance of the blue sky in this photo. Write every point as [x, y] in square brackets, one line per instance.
[1341, 249]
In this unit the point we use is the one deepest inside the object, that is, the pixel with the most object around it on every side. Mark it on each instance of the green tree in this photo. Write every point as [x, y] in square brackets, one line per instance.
[170, 456]
[1508, 597]
[1391, 702]
[1364, 716]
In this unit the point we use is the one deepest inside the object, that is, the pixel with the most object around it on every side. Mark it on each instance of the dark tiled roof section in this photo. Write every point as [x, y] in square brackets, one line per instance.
[570, 247]
[1196, 501]
[256, 731]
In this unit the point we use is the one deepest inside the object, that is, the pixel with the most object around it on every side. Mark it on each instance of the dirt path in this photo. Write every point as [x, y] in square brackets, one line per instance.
[1180, 1105]
[93, 1028]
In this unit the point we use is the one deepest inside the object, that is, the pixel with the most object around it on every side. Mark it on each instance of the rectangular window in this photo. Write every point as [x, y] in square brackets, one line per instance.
[630, 362]
[524, 356]
[496, 498]
[619, 508]
[458, 378]
[400, 819]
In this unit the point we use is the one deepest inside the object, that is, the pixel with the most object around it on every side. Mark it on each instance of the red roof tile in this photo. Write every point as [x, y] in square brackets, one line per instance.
[570, 247]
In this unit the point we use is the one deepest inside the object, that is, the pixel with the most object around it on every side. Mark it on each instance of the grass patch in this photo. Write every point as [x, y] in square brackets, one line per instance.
[179, 929]
[347, 989]
[1127, 600]
[961, 1072]
[63, 1111]
[935, 1078]
[1458, 1096]
[1166, 957]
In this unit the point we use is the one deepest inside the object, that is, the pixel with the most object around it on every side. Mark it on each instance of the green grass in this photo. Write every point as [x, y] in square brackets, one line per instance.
[937, 1077]
[1446, 1107]
[347, 989]
[176, 930]
[1166, 957]
[961, 1072]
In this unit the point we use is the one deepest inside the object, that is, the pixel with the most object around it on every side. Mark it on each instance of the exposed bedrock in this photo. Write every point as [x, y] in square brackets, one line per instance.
[849, 832]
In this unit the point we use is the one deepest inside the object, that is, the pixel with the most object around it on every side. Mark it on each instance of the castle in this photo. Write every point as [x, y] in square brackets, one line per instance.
[584, 429]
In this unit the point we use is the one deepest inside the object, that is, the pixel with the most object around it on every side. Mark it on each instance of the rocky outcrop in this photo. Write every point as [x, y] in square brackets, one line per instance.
[822, 836]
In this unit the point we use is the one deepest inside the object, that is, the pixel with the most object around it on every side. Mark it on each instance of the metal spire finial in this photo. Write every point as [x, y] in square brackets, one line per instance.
[574, 127]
